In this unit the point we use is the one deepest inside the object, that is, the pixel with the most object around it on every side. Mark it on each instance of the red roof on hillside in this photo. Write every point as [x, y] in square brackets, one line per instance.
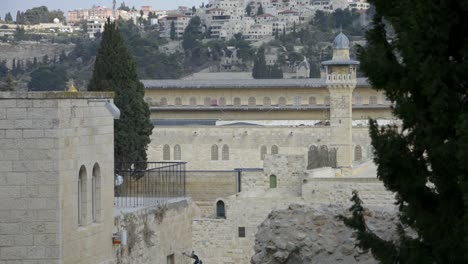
[266, 15]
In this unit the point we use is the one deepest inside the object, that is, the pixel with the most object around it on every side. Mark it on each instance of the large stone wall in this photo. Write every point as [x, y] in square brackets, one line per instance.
[154, 233]
[44, 140]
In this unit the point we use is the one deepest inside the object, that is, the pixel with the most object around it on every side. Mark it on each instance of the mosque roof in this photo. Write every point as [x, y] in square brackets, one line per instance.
[341, 41]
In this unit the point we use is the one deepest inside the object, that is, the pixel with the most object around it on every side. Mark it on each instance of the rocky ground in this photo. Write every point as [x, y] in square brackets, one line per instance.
[300, 235]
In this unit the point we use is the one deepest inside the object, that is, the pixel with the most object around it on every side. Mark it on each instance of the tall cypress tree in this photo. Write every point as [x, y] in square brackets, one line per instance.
[115, 70]
[260, 70]
[417, 53]
[173, 31]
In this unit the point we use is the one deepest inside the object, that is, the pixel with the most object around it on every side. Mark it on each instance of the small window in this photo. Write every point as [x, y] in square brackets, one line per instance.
[267, 101]
[166, 152]
[357, 100]
[312, 101]
[177, 153]
[274, 150]
[163, 101]
[214, 152]
[252, 101]
[237, 101]
[273, 181]
[263, 152]
[222, 101]
[225, 152]
[96, 193]
[81, 193]
[282, 101]
[241, 231]
[326, 100]
[193, 101]
[297, 101]
[171, 259]
[220, 210]
[178, 101]
[207, 101]
[358, 153]
[373, 100]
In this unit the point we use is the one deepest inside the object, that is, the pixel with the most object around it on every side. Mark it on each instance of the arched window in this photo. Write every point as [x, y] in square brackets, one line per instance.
[252, 101]
[332, 157]
[263, 152]
[193, 101]
[266, 101]
[214, 152]
[274, 150]
[273, 181]
[82, 196]
[163, 101]
[207, 101]
[312, 158]
[225, 152]
[297, 101]
[220, 209]
[178, 101]
[237, 101]
[222, 101]
[323, 154]
[149, 100]
[282, 101]
[357, 153]
[357, 100]
[177, 153]
[326, 100]
[373, 100]
[96, 193]
[166, 152]
[370, 152]
[312, 100]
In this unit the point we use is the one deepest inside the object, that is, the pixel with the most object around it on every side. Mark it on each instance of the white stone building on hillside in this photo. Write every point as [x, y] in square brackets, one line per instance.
[180, 23]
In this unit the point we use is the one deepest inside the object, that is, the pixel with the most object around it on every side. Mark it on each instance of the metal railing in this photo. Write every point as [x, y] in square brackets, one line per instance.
[148, 183]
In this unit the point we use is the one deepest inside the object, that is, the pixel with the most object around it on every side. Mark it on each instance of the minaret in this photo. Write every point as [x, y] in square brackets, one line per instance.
[340, 75]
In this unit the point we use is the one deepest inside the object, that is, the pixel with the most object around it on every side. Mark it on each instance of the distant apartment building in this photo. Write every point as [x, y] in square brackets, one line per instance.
[180, 23]
[359, 5]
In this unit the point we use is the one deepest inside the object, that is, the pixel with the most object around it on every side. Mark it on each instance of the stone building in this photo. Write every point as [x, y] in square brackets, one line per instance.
[228, 124]
[56, 178]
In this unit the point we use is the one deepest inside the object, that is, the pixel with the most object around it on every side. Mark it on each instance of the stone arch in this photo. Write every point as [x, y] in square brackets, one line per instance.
[357, 100]
[225, 152]
[267, 101]
[207, 101]
[177, 152]
[263, 152]
[282, 101]
[96, 193]
[166, 152]
[193, 101]
[332, 157]
[313, 158]
[357, 153]
[297, 101]
[273, 181]
[178, 101]
[222, 101]
[252, 101]
[163, 101]
[373, 100]
[214, 152]
[220, 209]
[82, 196]
[312, 100]
[237, 101]
[323, 154]
[274, 150]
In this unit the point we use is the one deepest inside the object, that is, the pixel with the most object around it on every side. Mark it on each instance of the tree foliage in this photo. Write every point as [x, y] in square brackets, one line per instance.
[260, 10]
[173, 31]
[417, 53]
[263, 71]
[115, 70]
[8, 18]
[48, 78]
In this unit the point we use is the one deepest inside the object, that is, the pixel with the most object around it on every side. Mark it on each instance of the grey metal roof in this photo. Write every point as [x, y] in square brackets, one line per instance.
[340, 62]
[341, 42]
[243, 84]
[184, 122]
[258, 108]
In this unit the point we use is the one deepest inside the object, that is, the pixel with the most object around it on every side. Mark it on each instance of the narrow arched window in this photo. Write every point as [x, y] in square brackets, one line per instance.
[214, 152]
[373, 100]
[274, 150]
[323, 156]
[267, 101]
[370, 152]
[357, 153]
[252, 101]
[207, 101]
[163, 101]
[273, 181]
[222, 101]
[312, 100]
[193, 101]
[237, 101]
[166, 152]
[357, 100]
[313, 158]
[178, 101]
[297, 101]
[326, 100]
[225, 152]
[96, 193]
[177, 153]
[263, 152]
[282, 101]
[220, 210]
[82, 197]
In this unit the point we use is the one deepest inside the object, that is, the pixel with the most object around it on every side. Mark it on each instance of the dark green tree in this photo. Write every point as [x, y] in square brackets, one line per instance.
[275, 72]
[8, 85]
[20, 33]
[173, 31]
[248, 10]
[48, 78]
[19, 19]
[192, 34]
[8, 18]
[417, 53]
[260, 69]
[124, 7]
[260, 10]
[115, 70]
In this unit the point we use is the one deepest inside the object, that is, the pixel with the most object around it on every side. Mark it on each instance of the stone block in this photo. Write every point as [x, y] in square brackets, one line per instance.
[10, 191]
[13, 253]
[46, 103]
[14, 133]
[16, 113]
[24, 240]
[26, 123]
[7, 124]
[33, 166]
[46, 240]
[9, 228]
[33, 133]
[5, 166]
[7, 103]
[29, 191]
[7, 240]
[23, 215]
[36, 252]
[24, 103]
[42, 113]
[2, 113]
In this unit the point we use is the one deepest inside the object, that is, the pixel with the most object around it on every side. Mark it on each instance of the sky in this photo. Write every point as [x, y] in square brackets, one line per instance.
[15, 5]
